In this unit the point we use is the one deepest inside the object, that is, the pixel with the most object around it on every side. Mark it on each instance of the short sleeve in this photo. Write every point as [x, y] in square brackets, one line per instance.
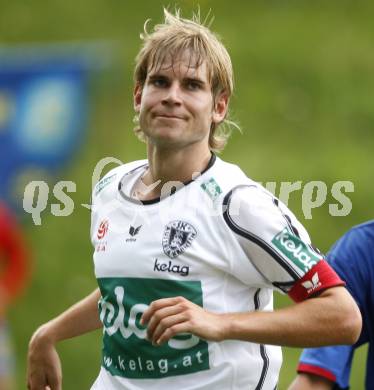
[276, 243]
[333, 363]
[351, 257]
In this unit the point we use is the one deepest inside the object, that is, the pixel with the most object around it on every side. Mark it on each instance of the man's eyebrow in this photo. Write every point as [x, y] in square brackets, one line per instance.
[187, 79]
[157, 76]
[194, 80]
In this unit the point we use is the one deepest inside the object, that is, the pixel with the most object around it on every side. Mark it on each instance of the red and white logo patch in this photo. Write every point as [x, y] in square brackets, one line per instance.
[103, 229]
[319, 278]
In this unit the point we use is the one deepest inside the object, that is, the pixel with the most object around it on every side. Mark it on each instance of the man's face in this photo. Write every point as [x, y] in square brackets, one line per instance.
[176, 106]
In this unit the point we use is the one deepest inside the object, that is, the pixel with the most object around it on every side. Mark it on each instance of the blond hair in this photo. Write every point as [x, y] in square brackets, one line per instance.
[172, 38]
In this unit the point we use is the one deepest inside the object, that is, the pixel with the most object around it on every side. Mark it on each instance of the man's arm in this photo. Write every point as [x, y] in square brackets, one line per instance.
[331, 318]
[44, 368]
[311, 382]
[270, 236]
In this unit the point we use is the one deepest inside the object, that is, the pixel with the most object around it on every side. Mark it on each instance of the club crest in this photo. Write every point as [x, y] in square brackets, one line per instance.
[178, 236]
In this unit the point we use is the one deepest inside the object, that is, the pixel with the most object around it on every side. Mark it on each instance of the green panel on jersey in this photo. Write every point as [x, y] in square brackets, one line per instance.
[126, 352]
[296, 250]
[211, 188]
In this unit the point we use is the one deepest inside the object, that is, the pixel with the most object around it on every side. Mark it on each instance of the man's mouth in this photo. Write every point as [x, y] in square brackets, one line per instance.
[169, 116]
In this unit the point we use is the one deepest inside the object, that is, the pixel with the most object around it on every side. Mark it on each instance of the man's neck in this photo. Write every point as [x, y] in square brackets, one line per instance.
[171, 166]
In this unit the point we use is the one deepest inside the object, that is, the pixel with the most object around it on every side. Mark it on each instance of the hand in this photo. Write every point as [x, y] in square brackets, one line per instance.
[171, 316]
[43, 363]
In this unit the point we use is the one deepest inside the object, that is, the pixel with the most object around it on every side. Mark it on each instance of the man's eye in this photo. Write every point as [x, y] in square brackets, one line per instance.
[193, 85]
[159, 82]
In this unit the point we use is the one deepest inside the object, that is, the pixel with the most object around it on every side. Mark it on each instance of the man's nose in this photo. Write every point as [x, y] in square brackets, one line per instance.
[172, 94]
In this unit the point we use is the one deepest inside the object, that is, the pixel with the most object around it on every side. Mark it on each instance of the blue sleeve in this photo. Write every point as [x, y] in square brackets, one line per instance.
[348, 257]
[352, 259]
[333, 363]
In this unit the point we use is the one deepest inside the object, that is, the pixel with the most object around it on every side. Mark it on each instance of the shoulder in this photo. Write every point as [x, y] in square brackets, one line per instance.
[356, 244]
[363, 232]
[255, 207]
[249, 207]
[251, 194]
[352, 256]
[227, 175]
[241, 196]
[239, 188]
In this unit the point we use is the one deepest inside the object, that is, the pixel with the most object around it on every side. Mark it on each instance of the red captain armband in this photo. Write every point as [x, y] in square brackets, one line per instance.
[315, 370]
[317, 279]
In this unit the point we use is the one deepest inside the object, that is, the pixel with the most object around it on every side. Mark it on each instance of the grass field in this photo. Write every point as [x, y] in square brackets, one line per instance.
[304, 82]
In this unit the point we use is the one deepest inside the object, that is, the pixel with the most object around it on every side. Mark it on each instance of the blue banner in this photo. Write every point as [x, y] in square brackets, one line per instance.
[43, 111]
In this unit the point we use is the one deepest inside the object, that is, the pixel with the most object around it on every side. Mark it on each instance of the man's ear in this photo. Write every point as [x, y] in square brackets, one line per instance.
[220, 108]
[138, 90]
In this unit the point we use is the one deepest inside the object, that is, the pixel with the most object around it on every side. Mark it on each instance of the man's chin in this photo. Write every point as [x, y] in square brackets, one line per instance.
[168, 141]
[166, 134]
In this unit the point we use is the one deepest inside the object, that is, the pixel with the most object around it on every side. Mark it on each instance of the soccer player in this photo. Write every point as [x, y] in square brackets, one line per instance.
[14, 265]
[328, 368]
[188, 250]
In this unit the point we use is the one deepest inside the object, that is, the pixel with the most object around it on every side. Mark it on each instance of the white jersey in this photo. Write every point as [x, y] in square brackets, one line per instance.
[223, 242]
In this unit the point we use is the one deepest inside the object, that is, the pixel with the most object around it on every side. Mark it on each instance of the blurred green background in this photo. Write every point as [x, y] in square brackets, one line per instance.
[304, 99]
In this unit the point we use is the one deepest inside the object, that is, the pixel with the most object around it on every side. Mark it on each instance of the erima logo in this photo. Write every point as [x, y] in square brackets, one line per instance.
[313, 284]
[182, 270]
[133, 232]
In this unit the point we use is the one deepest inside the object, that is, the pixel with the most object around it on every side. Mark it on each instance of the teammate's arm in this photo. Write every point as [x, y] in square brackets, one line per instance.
[44, 367]
[331, 318]
[311, 382]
